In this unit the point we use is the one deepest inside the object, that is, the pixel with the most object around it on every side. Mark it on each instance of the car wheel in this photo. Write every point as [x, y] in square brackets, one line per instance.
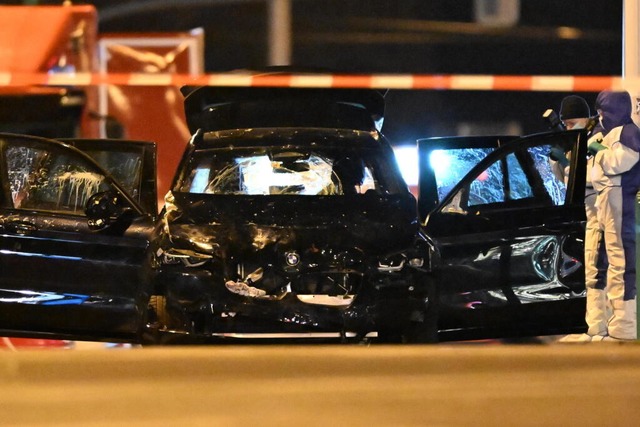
[160, 327]
[158, 303]
[155, 321]
[422, 327]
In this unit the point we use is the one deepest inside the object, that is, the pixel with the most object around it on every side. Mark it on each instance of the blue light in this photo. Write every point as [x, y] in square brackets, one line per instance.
[15, 296]
[407, 158]
[440, 162]
[28, 254]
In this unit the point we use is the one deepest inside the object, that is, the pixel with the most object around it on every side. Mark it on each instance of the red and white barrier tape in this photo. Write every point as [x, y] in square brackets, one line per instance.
[370, 81]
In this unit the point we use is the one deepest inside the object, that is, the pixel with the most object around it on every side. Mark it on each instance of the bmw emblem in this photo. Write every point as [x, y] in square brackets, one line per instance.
[292, 258]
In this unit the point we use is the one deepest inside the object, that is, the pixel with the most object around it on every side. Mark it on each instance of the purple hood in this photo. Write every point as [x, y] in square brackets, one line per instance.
[615, 109]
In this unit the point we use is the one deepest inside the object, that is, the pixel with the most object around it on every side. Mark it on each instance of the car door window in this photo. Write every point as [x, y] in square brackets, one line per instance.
[125, 167]
[522, 178]
[43, 178]
[451, 165]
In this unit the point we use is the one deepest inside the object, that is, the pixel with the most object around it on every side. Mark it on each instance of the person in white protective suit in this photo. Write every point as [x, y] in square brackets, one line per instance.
[615, 175]
[575, 114]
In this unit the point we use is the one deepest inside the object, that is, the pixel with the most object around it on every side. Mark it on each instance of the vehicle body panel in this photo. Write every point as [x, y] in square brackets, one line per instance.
[511, 266]
[60, 276]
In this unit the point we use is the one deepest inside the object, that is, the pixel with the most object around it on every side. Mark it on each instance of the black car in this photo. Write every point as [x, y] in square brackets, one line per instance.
[288, 218]
[73, 238]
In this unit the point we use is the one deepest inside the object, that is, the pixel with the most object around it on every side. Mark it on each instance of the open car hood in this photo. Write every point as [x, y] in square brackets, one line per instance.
[220, 108]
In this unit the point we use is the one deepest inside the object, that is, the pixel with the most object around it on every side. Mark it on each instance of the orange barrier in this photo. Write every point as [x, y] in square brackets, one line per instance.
[372, 81]
[33, 343]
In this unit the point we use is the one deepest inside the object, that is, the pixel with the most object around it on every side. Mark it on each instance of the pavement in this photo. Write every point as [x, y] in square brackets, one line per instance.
[463, 384]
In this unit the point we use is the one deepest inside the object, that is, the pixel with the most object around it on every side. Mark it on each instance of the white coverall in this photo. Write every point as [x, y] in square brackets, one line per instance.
[615, 173]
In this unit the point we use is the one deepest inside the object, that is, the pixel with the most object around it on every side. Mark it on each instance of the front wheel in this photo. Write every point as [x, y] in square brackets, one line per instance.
[421, 327]
[158, 304]
[162, 328]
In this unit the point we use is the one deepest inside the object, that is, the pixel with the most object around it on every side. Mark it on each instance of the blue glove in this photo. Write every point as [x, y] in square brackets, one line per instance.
[556, 153]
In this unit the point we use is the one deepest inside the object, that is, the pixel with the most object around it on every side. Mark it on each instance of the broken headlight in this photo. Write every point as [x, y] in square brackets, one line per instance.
[397, 262]
[393, 262]
[186, 257]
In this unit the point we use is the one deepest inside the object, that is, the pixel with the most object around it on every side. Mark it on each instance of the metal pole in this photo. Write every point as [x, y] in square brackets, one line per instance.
[631, 52]
[279, 32]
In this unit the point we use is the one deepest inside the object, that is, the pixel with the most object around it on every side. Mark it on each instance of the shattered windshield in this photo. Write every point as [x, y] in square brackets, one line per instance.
[288, 171]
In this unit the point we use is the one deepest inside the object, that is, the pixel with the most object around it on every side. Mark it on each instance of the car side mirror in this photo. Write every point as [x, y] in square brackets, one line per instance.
[102, 209]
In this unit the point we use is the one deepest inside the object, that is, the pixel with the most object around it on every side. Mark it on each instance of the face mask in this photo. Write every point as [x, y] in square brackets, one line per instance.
[572, 124]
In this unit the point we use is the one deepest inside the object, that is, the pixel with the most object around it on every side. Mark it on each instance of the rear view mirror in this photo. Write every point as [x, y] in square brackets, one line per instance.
[102, 209]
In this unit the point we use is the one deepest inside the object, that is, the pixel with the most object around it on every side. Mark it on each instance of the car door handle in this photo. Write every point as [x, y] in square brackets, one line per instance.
[20, 227]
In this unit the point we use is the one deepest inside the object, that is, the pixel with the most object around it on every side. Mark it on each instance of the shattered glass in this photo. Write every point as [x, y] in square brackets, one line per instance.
[281, 172]
[48, 180]
[125, 167]
[450, 166]
[489, 186]
[555, 187]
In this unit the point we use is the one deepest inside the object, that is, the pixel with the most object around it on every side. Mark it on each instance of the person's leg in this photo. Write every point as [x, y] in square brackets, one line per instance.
[617, 215]
[597, 312]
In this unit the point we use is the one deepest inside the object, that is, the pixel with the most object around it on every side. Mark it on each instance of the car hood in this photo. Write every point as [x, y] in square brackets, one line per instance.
[238, 224]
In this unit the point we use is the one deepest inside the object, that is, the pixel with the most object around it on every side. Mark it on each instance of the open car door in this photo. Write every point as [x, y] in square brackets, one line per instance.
[73, 243]
[437, 173]
[132, 163]
[510, 233]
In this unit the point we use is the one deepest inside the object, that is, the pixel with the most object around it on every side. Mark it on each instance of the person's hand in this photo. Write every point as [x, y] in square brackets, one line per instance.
[556, 153]
[595, 144]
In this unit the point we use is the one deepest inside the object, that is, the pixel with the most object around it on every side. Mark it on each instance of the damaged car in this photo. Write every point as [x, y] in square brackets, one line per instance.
[288, 218]
[74, 238]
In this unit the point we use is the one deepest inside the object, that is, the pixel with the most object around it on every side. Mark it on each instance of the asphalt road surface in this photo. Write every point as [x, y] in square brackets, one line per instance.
[351, 385]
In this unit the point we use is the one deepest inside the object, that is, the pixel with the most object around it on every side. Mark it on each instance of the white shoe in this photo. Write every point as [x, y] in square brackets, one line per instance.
[576, 338]
[623, 323]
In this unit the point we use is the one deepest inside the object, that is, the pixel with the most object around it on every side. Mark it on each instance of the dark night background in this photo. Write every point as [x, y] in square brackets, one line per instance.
[407, 36]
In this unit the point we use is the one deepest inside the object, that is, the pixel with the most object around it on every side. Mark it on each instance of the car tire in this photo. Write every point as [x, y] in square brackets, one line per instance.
[422, 327]
[155, 321]
[158, 331]
[158, 303]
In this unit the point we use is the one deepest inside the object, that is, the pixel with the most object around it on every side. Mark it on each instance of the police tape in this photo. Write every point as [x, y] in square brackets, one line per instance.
[543, 83]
